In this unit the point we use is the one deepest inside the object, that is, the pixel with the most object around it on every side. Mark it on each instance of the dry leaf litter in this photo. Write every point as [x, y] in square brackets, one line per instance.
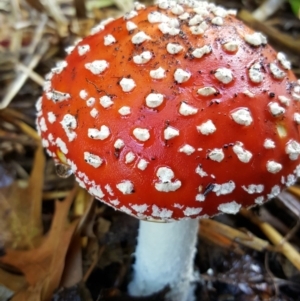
[56, 242]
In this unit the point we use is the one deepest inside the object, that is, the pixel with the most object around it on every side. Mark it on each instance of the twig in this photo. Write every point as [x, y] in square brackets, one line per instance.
[52, 195]
[33, 75]
[15, 9]
[19, 81]
[275, 237]
[268, 8]
[271, 275]
[94, 263]
[290, 204]
[234, 235]
[80, 8]
[52, 7]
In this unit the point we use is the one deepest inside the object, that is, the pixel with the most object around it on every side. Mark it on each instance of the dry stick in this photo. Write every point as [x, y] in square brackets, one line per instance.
[274, 34]
[268, 8]
[19, 81]
[272, 220]
[15, 9]
[81, 203]
[293, 205]
[290, 199]
[212, 234]
[94, 263]
[20, 171]
[38, 34]
[10, 114]
[240, 237]
[295, 190]
[80, 9]
[30, 61]
[54, 10]
[16, 39]
[30, 73]
[271, 276]
[275, 237]
[35, 4]
[26, 129]
[52, 195]
[88, 205]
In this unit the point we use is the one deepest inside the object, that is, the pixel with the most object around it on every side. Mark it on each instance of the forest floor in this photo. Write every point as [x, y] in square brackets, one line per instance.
[57, 243]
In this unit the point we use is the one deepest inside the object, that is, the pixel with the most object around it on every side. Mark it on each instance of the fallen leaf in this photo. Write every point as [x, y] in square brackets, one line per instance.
[43, 265]
[20, 210]
[73, 271]
[12, 281]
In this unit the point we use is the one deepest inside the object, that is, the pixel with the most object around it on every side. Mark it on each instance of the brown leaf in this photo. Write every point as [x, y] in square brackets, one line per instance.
[85, 207]
[72, 273]
[21, 223]
[30, 294]
[12, 281]
[43, 265]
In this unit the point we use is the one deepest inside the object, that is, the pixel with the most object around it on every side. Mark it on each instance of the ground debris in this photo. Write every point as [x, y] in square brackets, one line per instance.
[58, 244]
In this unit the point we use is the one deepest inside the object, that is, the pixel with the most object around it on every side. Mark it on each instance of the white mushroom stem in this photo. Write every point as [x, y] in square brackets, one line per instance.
[164, 257]
[268, 8]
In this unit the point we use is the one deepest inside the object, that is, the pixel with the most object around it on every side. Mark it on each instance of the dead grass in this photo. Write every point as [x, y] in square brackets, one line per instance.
[47, 244]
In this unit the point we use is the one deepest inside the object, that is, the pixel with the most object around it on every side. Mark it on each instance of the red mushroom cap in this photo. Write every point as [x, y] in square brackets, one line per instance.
[174, 111]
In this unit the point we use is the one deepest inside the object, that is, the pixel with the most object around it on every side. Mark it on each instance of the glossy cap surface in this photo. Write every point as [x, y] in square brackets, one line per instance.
[174, 111]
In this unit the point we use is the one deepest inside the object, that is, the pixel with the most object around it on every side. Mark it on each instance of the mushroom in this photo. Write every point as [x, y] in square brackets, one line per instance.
[172, 113]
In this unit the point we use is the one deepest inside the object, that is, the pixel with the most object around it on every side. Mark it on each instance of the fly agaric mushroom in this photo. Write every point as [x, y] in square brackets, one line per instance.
[174, 112]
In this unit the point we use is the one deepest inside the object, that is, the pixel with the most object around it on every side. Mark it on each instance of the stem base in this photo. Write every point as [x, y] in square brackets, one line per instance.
[164, 256]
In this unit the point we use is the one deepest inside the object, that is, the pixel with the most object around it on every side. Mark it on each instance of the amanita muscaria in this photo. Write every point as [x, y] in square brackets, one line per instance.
[171, 113]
